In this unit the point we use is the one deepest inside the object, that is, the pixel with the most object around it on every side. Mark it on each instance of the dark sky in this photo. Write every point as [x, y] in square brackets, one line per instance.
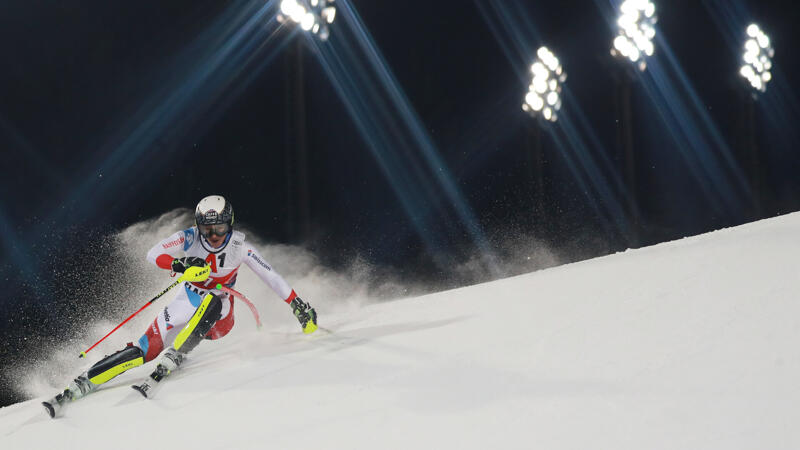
[79, 80]
[115, 112]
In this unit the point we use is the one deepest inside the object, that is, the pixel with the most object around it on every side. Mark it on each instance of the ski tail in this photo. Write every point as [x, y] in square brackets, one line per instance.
[171, 361]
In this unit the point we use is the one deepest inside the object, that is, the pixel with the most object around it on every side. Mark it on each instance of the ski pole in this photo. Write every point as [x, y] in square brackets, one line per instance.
[191, 274]
[242, 297]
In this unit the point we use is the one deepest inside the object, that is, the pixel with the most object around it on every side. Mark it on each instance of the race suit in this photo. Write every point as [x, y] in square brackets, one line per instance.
[224, 262]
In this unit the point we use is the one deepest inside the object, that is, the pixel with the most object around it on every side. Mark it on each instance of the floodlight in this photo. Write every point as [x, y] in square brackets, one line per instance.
[308, 21]
[636, 31]
[329, 14]
[311, 15]
[544, 92]
[540, 85]
[757, 58]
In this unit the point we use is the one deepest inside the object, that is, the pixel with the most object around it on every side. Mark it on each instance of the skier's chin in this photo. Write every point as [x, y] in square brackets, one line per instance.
[216, 241]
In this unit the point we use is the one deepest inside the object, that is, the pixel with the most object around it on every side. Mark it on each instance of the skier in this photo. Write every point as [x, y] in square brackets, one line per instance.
[199, 310]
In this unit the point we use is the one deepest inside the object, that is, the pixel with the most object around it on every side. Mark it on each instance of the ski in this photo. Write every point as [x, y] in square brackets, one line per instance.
[150, 385]
[54, 405]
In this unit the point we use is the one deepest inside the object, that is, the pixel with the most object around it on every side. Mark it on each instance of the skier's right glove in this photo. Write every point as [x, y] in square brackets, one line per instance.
[305, 315]
[179, 265]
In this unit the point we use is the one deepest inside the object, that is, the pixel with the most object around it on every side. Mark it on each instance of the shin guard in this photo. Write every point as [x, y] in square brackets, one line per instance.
[201, 322]
[113, 365]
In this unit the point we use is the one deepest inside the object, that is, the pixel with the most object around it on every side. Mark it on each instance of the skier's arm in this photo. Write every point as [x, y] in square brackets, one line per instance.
[268, 275]
[166, 251]
[304, 313]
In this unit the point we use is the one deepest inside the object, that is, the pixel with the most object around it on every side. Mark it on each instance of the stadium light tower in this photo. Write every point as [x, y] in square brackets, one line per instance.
[757, 58]
[311, 15]
[544, 93]
[543, 100]
[636, 25]
[633, 44]
[757, 70]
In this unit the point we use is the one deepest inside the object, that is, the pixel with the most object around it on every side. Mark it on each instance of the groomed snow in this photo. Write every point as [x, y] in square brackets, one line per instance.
[689, 344]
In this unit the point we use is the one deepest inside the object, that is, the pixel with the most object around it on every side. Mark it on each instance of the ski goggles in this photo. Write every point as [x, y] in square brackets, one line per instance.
[219, 229]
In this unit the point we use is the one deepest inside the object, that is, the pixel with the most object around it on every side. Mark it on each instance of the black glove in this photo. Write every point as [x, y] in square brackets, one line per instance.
[305, 315]
[179, 265]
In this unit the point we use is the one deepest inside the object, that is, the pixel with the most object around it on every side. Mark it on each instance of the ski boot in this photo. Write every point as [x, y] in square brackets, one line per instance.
[105, 369]
[78, 388]
[171, 360]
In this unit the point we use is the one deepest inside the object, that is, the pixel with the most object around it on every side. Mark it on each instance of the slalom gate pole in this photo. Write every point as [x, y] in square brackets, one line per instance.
[200, 274]
[242, 297]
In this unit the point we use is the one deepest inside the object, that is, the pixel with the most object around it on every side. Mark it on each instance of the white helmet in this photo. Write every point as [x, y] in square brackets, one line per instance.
[214, 214]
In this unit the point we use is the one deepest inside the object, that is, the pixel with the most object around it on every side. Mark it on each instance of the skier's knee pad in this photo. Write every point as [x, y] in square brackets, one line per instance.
[201, 322]
[113, 365]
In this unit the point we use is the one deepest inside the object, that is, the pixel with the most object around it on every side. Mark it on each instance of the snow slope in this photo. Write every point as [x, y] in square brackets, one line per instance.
[689, 344]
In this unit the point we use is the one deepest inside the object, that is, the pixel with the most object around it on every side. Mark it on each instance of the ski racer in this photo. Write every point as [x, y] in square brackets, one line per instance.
[199, 310]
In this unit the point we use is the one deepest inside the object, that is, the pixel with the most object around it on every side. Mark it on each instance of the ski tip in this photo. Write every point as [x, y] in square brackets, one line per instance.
[139, 389]
[50, 410]
[82, 355]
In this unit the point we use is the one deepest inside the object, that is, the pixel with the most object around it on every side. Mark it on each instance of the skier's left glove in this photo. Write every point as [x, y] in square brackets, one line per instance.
[179, 265]
[305, 315]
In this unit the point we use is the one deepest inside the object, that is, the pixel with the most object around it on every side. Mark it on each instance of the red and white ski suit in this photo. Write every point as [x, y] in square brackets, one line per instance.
[225, 262]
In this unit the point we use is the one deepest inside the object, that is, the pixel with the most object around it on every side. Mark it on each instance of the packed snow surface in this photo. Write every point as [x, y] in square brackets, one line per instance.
[689, 344]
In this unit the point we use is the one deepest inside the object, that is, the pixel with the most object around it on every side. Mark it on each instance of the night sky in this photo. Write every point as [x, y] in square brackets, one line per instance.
[116, 112]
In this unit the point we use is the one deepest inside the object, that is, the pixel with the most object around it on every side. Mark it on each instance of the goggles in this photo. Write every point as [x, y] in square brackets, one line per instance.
[219, 229]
